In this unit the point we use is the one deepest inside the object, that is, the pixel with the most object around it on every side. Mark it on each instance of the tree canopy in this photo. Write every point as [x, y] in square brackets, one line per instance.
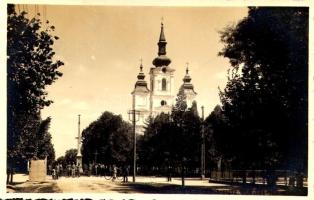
[266, 97]
[30, 68]
[107, 140]
[171, 139]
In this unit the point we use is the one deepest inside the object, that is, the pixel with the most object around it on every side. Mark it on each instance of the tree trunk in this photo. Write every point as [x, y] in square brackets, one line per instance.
[10, 176]
[244, 177]
[183, 174]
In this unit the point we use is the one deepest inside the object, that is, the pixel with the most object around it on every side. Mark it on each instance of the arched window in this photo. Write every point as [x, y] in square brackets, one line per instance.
[164, 84]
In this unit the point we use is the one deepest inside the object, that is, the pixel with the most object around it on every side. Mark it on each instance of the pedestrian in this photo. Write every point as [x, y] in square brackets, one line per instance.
[61, 170]
[73, 170]
[57, 171]
[90, 168]
[78, 170]
[49, 169]
[53, 174]
[68, 170]
[125, 173]
[169, 170]
[114, 173]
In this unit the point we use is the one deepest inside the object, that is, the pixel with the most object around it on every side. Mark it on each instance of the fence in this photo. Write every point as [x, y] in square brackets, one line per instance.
[277, 177]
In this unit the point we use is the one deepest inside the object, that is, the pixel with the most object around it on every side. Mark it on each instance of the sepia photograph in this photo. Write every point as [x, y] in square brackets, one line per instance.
[140, 99]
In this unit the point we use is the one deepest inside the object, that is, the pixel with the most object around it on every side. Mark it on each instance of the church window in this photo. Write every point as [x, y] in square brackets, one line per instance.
[163, 103]
[164, 84]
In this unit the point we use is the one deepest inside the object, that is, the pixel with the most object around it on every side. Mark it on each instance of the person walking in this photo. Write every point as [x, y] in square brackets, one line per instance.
[77, 170]
[125, 173]
[53, 174]
[68, 170]
[61, 170]
[57, 171]
[73, 170]
[169, 170]
[90, 169]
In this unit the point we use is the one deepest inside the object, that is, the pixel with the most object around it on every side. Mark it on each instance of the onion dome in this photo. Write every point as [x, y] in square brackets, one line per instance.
[187, 85]
[141, 84]
[187, 78]
[162, 59]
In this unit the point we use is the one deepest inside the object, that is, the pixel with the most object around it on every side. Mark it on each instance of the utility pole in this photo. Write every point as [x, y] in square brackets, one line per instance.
[203, 147]
[132, 114]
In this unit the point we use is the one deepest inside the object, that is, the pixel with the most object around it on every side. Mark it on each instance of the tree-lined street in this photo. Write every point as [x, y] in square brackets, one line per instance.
[255, 141]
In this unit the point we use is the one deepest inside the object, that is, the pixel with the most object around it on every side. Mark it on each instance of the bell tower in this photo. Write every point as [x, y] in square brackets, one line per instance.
[188, 88]
[162, 94]
[140, 100]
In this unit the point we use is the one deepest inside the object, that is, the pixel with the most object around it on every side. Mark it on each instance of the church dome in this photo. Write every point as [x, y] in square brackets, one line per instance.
[161, 60]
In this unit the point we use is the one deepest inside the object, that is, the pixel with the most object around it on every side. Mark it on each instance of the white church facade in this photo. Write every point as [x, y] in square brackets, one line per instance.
[160, 95]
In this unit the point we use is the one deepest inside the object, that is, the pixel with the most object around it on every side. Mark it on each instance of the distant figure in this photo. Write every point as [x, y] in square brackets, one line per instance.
[73, 170]
[125, 174]
[54, 174]
[102, 170]
[61, 170]
[69, 170]
[114, 173]
[169, 170]
[90, 168]
[78, 170]
[57, 171]
[49, 169]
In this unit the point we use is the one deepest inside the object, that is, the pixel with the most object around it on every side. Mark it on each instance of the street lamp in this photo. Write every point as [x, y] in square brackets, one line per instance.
[132, 117]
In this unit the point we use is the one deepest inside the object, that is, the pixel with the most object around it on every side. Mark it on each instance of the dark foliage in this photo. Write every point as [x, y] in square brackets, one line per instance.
[30, 68]
[265, 100]
[107, 140]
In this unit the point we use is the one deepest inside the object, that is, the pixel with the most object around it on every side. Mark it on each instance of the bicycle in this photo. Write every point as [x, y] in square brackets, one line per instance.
[109, 175]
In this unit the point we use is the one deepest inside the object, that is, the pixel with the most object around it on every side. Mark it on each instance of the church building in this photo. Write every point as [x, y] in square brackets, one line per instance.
[161, 94]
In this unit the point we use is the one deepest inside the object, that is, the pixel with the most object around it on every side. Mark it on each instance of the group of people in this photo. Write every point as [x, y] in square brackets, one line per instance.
[108, 170]
[70, 170]
[101, 170]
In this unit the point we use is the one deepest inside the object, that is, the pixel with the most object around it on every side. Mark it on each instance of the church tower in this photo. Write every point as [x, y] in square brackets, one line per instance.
[162, 93]
[188, 88]
[140, 100]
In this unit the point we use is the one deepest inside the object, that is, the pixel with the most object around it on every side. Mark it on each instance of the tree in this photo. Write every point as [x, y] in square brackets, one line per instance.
[218, 139]
[266, 97]
[30, 68]
[172, 140]
[44, 145]
[61, 160]
[70, 156]
[107, 140]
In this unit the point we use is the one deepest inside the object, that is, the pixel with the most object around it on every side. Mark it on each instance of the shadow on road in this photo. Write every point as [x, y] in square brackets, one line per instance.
[35, 187]
[157, 188]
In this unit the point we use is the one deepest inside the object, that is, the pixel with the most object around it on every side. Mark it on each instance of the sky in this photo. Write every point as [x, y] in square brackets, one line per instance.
[101, 47]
